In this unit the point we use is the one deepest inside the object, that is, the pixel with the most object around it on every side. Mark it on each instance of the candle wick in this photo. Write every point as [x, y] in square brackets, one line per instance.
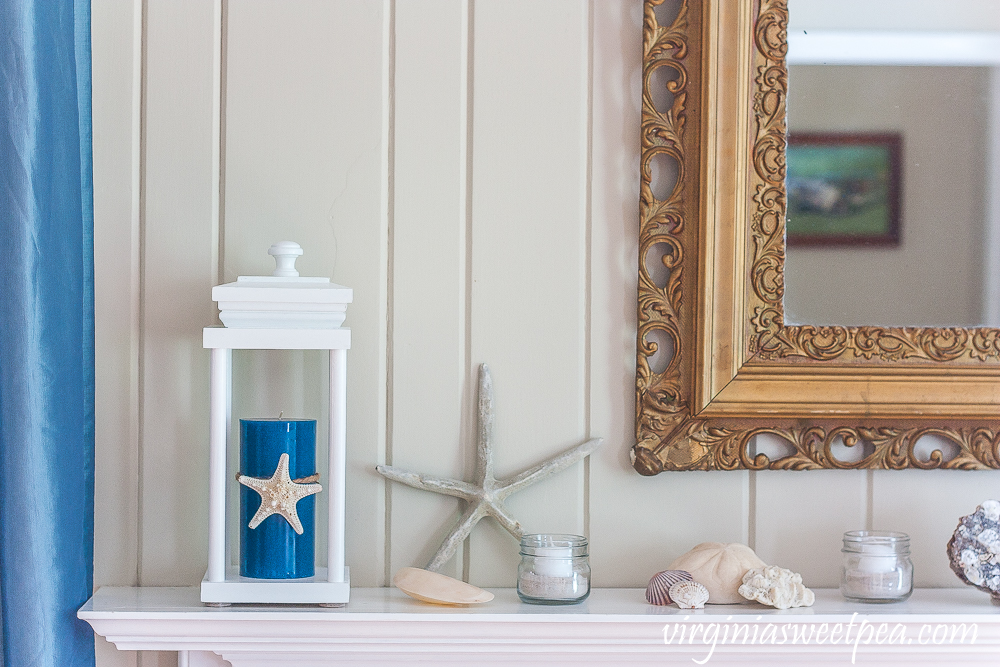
[280, 413]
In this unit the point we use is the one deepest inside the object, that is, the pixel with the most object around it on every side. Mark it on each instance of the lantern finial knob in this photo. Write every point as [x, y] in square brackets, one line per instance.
[285, 253]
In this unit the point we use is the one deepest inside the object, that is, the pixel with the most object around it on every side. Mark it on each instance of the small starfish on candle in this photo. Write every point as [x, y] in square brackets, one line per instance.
[279, 494]
[486, 496]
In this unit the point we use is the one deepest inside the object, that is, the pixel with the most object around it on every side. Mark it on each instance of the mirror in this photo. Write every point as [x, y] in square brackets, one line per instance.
[718, 363]
[864, 241]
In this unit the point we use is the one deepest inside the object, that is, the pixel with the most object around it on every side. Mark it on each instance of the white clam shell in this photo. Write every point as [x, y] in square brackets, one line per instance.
[689, 595]
[437, 588]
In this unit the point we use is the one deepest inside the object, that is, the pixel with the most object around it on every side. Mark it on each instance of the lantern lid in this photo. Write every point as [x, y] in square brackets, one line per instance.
[283, 300]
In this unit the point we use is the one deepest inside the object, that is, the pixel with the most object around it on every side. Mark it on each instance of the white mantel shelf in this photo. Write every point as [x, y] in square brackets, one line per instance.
[382, 626]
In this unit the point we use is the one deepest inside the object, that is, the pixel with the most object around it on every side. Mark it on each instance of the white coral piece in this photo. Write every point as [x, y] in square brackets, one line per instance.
[776, 587]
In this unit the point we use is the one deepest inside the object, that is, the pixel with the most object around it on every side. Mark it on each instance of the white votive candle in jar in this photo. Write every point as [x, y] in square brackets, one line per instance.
[876, 558]
[877, 566]
[554, 569]
[554, 561]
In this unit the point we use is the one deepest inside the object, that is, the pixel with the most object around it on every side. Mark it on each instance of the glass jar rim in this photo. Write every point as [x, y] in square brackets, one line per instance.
[876, 543]
[553, 545]
[876, 537]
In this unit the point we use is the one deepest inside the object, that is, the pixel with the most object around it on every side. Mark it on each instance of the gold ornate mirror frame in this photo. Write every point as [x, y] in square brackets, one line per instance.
[733, 368]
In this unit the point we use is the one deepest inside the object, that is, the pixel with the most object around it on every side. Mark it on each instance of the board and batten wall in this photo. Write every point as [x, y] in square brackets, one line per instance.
[470, 169]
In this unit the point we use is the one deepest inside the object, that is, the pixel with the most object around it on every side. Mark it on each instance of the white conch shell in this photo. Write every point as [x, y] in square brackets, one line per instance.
[689, 595]
[776, 587]
[719, 568]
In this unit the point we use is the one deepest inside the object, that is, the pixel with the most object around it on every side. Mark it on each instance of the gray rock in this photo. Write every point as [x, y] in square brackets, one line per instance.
[974, 549]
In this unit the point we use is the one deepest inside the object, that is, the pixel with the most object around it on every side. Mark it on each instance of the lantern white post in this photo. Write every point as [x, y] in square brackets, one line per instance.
[338, 465]
[218, 430]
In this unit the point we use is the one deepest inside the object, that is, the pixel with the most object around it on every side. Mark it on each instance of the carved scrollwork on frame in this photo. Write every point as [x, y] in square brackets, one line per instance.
[702, 445]
[662, 226]
[767, 226]
[673, 433]
[893, 344]
[772, 339]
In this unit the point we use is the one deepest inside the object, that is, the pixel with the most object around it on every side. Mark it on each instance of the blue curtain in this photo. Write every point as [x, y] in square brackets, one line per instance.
[46, 333]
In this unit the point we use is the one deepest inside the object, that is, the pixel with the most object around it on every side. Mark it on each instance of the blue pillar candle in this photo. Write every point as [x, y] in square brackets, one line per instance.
[273, 549]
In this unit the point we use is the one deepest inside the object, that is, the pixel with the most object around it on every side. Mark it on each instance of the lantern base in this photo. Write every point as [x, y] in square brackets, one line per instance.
[245, 590]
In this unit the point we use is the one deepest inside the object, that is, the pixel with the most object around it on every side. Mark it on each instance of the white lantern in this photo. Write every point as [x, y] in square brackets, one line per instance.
[282, 311]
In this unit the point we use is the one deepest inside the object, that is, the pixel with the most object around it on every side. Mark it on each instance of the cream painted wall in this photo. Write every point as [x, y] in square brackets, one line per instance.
[469, 167]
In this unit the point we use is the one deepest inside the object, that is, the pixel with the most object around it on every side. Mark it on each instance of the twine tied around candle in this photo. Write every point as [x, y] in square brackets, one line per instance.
[301, 480]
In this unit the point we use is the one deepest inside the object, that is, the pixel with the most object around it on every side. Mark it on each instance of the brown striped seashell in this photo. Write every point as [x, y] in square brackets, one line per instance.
[658, 590]
[689, 595]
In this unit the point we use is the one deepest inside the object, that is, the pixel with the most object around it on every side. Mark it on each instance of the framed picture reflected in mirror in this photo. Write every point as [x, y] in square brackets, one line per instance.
[843, 189]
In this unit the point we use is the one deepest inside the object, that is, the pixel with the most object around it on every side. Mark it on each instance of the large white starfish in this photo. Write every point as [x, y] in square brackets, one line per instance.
[487, 494]
[279, 494]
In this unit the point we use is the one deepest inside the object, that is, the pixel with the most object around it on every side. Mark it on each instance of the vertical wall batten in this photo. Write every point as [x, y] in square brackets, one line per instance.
[218, 30]
[137, 279]
[388, 209]
[588, 252]
[467, 420]
[386, 271]
[220, 185]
